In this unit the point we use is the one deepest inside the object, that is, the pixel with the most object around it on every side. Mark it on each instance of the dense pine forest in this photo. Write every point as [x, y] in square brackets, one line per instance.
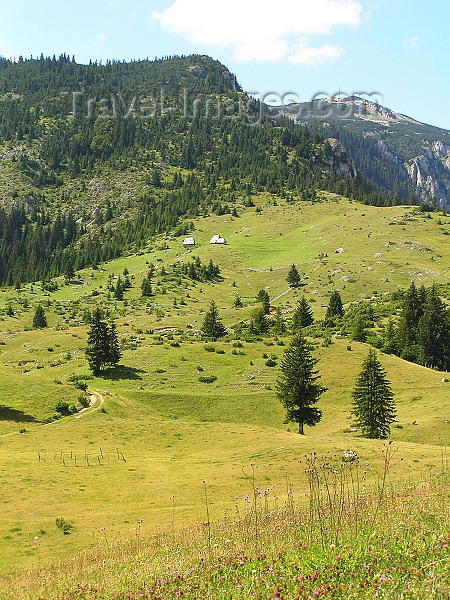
[180, 135]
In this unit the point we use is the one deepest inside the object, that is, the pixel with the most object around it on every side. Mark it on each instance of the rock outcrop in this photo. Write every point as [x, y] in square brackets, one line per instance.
[340, 160]
[430, 173]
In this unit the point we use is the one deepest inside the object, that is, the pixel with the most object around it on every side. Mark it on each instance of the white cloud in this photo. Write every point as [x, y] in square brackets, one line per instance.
[313, 56]
[101, 37]
[411, 42]
[261, 30]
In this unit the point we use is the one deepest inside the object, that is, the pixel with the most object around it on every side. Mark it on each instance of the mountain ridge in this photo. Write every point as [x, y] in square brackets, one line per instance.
[421, 150]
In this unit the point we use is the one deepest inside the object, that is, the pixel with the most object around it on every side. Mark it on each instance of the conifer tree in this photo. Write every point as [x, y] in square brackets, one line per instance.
[408, 327]
[296, 385]
[389, 338]
[278, 325]
[434, 332]
[213, 327]
[259, 323]
[39, 318]
[293, 277]
[302, 316]
[103, 344]
[118, 290]
[373, 400]
[237, 302]
[263, 297]
[335, 308]
[358, 332]
[97, 350]
[146, 287]
[69, 271]
[114, 352]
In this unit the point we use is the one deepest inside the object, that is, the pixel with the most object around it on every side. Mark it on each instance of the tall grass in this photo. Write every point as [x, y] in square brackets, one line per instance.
[342, 540]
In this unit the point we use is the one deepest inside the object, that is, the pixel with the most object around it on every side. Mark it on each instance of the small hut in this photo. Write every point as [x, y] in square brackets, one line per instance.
[217, 239]
[188, 242]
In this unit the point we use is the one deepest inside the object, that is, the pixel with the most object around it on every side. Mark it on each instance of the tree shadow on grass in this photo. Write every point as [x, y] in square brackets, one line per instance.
[122, 372]
[12, 414]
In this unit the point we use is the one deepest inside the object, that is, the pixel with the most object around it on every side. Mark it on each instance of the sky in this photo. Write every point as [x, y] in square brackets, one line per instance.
[396, 51]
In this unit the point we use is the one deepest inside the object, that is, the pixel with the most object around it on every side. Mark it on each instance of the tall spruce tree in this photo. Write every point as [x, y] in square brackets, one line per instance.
[303, 315]
[103, 344]
[146, 286]
[118, 290]
[373, 400]
[278, 324]
[408, 326]
[297, 389]
[263, 297]
[358, 331]
[389, 338]
[293, 277]
[213, 327]
[39, 318]
[434, 332]
[335, 306]
[114, 352]
[259, 323]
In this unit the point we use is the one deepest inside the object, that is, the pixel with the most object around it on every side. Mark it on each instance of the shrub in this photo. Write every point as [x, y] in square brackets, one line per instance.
[271, 363]
[83, 400]
[210, 348]
[62, 407]
[207, 378]
[64, 526]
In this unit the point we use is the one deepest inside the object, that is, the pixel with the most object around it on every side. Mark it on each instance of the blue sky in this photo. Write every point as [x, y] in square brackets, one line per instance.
[397, 48]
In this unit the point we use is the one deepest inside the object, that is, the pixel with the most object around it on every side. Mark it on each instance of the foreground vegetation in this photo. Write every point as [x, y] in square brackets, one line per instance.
[342, 541]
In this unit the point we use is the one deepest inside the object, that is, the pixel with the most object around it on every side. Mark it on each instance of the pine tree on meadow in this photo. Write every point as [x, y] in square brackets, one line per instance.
[297, 389]
[103, 345]
[373, 400]
[39, 318]
[293, 277]
[213, 327]
[303, 315]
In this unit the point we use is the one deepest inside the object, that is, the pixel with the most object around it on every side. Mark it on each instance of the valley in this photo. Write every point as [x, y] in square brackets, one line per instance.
[157, 432]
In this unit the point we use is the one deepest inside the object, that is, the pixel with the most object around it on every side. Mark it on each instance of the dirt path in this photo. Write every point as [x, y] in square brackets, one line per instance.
[283, 294]
[96, 400]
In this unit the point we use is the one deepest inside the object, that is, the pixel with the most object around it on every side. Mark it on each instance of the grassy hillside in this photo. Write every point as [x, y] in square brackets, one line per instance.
[154, 433]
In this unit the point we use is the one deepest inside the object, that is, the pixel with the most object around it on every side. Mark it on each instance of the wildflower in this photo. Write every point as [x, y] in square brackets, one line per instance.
[349, 456]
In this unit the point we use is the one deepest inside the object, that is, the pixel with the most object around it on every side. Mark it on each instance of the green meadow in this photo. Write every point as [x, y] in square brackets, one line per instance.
[154, 433]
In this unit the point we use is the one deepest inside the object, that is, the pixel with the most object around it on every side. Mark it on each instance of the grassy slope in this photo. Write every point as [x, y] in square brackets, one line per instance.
[175, 432]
